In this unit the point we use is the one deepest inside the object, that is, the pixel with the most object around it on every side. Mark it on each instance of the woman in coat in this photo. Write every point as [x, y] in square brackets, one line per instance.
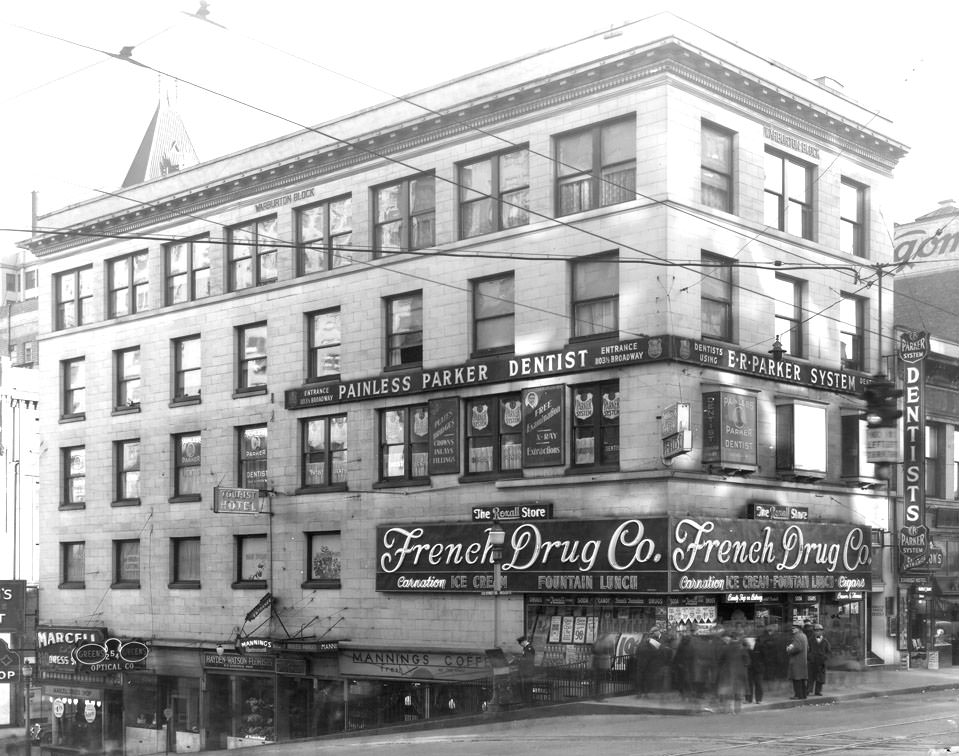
[798, 650]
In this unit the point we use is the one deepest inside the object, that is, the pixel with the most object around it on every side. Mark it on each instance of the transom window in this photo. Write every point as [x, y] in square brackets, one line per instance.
[788, 195]
[129, 285]
[404, 338]
[596, 296]
[405, 214]
[596, 424]
[188, 270]
[852, 201]
[787, 294]
[253, 254]
[325, 337]
[852, 351]
[128, 378]
[404, 443]
[494, 193]
[596, 166]
[324, 233]
[324, 451]
[74, 292]
[494, 314]
[717, 297]
[717, 167]
[494, 434]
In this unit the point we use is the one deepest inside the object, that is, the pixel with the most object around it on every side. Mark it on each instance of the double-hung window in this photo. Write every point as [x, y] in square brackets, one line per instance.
[716, 297]
[252, 561]
[252, 465]
[74, 292]
[596, 166]
[324, 452]
[788, 195]
[74, 400]
[404, 337]
[324, 233]
[185, 562]
[325, 339]
[494, 314]
[716, 183]
[405, 214]
[494, 435]
[251, 341]
[596, 424]
[852, 211]
[129, 284]
[126, 563]
[186, 369]
[595, 302]
[494, 193]
[787, 296]
[188, 270]
[127, 389]
[127, 461]
[404, 443]
[72, 571]
[73, 461]
[252, 253]
[852, 332]
[323, 559]
[187, 449]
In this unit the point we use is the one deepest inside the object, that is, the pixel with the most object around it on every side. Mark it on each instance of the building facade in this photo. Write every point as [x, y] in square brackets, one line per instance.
[612, 299]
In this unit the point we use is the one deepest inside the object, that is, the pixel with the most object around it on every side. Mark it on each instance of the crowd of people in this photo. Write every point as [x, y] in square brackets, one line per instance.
[724, 665]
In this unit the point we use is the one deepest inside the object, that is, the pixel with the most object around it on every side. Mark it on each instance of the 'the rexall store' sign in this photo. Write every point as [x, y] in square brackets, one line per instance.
[643, 554]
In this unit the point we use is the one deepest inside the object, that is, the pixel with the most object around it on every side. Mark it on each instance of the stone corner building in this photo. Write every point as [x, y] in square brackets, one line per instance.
[291, 391]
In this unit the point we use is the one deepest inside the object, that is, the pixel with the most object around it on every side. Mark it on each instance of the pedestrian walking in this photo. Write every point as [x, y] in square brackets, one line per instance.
[798, 670]
[732, 672]
[819, 651]
[757, 667]
[648, 663]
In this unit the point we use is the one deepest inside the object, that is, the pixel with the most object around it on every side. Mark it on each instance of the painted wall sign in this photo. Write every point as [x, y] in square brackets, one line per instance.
[921, 244]
[543, 424]
[415, 665]
[12, 604]
[652, 555]
[913, 537]
[791, 142]
[444, 451]
[283, 200]
[729, 429]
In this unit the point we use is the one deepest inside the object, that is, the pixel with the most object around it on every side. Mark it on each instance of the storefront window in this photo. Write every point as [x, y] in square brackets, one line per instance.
[89, 722]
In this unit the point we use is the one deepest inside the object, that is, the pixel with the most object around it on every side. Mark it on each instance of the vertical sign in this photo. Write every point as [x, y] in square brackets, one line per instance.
[543, 426]
[12, 605]
[444, 436]
[913, 537]
[729, 429]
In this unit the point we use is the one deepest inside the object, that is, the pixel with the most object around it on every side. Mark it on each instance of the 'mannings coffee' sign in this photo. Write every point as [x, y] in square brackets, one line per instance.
[654, 554]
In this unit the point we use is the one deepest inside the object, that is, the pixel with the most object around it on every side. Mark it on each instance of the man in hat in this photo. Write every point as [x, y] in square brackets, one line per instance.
[797, 650]
[819, 651]
[527, 664]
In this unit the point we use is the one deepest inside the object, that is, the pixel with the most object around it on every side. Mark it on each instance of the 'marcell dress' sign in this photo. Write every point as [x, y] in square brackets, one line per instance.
[631, 555]
[575, 359]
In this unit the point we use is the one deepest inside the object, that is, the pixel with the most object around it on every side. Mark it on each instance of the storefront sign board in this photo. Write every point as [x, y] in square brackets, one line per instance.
[238, 662]
[55, 645]
[414, 664]
[12, 603]
[532, 511]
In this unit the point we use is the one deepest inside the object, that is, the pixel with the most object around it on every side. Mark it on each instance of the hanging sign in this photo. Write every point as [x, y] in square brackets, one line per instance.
[913, 536]
[237, 500]
[12, 593]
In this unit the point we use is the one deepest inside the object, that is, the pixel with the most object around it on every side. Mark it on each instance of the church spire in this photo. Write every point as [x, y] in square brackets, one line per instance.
[166, 147]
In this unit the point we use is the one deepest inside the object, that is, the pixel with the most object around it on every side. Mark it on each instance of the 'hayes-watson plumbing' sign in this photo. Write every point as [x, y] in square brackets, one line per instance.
[577, 359]
[652, 554]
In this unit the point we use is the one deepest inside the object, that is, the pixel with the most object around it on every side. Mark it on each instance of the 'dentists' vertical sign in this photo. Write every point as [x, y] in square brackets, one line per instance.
[913, 541]
[444, 436]
[543, 426]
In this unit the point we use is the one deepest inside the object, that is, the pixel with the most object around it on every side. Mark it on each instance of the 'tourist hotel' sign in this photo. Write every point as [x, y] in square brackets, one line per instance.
[576, 359]
[650, 554]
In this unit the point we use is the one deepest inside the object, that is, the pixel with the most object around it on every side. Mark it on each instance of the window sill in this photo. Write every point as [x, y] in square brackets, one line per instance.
[314, 379]
[125, 586]
[240, 393]
[184, 401]
[325, 585]
[320, 489]
[404, 483]
[72, 586]
[125, 503]
[480, 354]
[604, 336]
[248, 584]
[131, 409]
[73, 505]
[185, 499]
[80, 416]
[404, 366]
[184, 586]
[587, 469]
[484, 476]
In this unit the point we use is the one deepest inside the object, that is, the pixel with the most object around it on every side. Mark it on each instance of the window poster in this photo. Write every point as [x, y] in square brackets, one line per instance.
[566, 636]
[579, 630]
[543, 439]
[444, 436]
[555, 626]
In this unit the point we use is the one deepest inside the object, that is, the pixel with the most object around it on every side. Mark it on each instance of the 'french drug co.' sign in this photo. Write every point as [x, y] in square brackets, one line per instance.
[637, 555]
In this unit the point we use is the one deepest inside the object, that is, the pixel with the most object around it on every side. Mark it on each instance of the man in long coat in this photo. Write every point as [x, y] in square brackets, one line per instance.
[819, 650]
[798, 651]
